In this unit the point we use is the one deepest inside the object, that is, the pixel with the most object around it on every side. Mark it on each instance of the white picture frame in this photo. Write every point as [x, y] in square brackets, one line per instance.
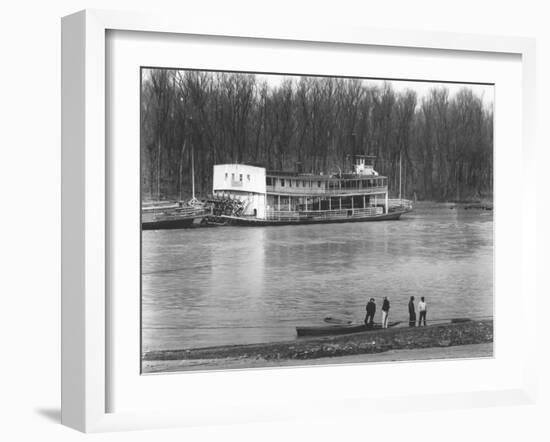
[85, 202]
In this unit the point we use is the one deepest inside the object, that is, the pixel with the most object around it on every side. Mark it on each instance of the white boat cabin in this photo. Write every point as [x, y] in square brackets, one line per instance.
[269, 194]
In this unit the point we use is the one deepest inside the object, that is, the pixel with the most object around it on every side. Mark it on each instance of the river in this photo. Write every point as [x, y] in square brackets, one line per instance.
[233, 285]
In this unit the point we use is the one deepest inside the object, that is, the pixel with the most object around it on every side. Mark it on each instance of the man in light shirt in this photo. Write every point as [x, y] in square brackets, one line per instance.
[422, 310]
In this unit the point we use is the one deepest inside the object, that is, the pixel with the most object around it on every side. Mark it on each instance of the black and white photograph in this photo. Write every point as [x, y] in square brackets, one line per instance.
[300, 220]
[275, 221]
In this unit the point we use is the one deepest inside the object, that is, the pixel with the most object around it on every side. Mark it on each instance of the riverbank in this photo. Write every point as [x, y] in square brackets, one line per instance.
[401, 343]
[433, 353]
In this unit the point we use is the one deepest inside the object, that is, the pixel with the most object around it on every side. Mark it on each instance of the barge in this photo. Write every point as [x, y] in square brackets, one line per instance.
[176, 216]
[246, 194]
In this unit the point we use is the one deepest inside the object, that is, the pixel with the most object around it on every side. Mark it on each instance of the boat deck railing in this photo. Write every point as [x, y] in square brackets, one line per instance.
[289, 215]
[347, 212]
[322, 191]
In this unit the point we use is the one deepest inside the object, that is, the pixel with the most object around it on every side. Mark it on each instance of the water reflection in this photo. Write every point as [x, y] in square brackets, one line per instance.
[231, 285]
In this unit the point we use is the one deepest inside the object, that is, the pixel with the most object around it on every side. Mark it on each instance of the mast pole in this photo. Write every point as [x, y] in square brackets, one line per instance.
[399, 174]
[158, 170]
[180, 170]
[193, 171]
[194, 201]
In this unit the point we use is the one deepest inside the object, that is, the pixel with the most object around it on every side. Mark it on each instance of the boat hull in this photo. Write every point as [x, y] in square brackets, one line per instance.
[250, 221]
[331, 330]
[175, 223]
[176, 219]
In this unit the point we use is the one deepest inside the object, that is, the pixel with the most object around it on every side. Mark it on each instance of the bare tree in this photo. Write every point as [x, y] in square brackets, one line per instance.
[439, 148]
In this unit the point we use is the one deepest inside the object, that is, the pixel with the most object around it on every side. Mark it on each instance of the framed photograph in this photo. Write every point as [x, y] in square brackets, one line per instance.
[299, 177]
[254, 217]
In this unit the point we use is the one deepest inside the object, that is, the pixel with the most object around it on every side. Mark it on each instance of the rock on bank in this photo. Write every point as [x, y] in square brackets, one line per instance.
[441, 335]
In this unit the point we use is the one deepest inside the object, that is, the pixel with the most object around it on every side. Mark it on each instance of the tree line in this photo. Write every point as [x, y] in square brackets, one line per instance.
[441, 143]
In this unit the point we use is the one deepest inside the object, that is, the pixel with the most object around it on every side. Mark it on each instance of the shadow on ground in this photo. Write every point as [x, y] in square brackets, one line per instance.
[51, 414]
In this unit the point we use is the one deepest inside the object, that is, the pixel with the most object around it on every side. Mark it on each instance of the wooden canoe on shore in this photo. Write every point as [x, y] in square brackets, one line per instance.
[339, 329]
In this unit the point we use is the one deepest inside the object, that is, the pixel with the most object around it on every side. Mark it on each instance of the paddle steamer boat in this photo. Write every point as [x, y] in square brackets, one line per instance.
[262, 197]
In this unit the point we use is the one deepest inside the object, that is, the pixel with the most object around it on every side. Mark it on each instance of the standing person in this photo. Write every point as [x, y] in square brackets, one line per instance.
[371, 310]
[422, 310]
[412, 313]
[385, 312]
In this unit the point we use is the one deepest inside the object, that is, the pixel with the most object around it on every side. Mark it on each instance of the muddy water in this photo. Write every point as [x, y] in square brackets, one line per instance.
[233, 285]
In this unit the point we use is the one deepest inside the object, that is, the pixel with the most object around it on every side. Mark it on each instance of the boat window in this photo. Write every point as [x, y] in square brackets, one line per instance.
[289, 183]
[297, 183]
[248, 177]
[318, 183]
[233, 176]
[268, 180]
[226, 175]
[282, 182]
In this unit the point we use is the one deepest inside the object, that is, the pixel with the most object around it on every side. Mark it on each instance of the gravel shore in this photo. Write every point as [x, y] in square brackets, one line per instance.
[435, 353]
[403, 343]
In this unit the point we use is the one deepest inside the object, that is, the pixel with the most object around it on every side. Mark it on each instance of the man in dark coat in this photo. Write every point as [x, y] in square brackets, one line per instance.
[412, 313]
[371, 310]
[385, 312]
